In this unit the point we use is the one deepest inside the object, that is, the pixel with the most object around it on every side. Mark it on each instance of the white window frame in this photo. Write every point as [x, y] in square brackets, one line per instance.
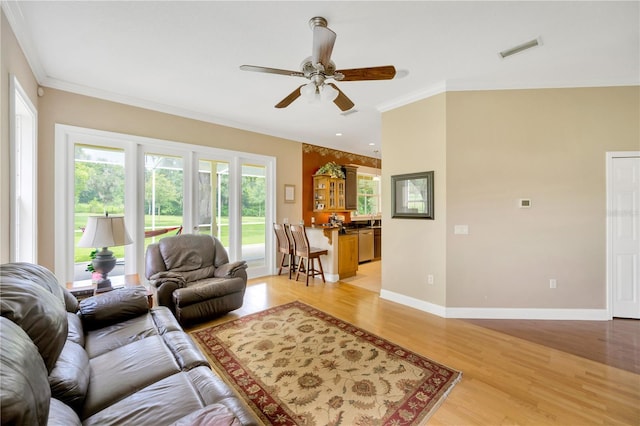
[378, 195]
[135, 149]
[23, 165]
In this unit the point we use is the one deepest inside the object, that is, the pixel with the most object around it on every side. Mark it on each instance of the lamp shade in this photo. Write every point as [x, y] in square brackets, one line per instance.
[105, 231]
[328, 93]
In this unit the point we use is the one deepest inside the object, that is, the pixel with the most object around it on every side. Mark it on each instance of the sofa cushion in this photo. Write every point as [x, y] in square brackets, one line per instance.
[103, 340]
[159, 403]
[75, 331]
[125, 370]
[25, 393]
[61, 414]
[215, 414]
[69, 379]
[40, 314]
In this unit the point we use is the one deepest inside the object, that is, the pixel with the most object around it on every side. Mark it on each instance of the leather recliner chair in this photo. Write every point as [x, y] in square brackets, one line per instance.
[194, 278]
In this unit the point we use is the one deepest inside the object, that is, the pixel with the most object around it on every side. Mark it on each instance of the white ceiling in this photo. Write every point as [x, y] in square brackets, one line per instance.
[183, 57]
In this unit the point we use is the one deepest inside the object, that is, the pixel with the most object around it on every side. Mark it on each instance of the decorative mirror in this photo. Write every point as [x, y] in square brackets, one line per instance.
[412, 195]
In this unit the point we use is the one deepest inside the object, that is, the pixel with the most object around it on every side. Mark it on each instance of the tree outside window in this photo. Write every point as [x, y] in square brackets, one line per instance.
[368, 194]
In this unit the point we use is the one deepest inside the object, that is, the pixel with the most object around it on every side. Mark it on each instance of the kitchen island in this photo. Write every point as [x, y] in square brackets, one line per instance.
[341, 260]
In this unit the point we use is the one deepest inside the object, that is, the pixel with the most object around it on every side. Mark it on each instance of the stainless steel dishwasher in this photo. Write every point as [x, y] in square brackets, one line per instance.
[365, 244]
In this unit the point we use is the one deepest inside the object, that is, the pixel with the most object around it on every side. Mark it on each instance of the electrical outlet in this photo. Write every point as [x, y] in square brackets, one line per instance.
[553, 283]
[430, 279]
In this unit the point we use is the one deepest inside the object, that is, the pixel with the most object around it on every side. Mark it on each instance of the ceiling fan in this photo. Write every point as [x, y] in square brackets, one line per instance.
[319, 67]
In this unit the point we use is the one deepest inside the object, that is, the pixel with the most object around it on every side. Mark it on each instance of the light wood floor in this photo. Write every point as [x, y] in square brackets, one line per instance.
[506, 380]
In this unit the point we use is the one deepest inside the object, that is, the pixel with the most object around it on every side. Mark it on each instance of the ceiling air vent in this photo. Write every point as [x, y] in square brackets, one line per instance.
[521, 47]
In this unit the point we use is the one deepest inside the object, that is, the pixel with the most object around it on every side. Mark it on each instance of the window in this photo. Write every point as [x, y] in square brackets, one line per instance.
[368, 194]
[99, 188]
[23, 164]
[162, 188]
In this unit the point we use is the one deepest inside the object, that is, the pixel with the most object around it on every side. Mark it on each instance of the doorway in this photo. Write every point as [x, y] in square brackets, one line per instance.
[623, 234]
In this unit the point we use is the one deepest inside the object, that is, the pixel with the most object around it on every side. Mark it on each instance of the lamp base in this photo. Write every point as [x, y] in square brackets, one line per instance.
[104, 263]
[104, 286]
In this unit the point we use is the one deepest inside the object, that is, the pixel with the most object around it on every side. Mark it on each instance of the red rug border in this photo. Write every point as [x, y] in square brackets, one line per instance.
[409, 356]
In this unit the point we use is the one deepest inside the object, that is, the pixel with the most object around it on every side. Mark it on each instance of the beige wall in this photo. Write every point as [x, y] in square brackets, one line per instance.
[12, 61]
[414, 140]
[76, 110]
[547, 145]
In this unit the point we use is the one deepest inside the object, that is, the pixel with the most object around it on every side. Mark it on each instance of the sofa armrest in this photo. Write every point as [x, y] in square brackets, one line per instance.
[230, 269]
[115, 306]
[164, 294]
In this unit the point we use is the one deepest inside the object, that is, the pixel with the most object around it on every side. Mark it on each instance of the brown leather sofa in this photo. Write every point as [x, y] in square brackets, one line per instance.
[108, 360]
[194, 278]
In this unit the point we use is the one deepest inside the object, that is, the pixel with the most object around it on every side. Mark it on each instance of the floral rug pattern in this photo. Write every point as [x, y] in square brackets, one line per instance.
[297, 365]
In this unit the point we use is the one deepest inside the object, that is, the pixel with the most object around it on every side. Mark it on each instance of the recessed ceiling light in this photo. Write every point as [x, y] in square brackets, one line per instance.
[521, 47]
[372, 144]
[338, 134]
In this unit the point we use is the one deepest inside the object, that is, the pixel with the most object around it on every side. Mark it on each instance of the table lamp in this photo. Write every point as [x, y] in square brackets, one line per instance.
[104, 231]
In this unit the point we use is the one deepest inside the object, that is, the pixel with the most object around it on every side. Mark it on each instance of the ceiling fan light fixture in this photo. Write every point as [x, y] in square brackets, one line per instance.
[319, 67]
[309, 91]
[328, 93]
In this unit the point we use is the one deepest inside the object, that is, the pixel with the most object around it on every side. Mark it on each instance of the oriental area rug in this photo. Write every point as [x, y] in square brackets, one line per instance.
[297, 365]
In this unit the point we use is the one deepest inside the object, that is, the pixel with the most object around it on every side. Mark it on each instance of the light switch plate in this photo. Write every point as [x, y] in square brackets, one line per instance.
[461, 229]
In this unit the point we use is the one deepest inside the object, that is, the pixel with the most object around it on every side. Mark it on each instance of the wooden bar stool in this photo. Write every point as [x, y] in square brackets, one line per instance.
[285, 247]
[303, 250]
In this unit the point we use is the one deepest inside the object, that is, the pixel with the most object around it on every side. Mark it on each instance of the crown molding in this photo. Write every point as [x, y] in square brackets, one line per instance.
[15, 18]
[410, 98]
[159, 107]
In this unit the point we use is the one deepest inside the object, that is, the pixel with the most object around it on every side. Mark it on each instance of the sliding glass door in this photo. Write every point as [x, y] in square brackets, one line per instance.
[163, 189]
[213, 200]
[163, 196]
[254, 207]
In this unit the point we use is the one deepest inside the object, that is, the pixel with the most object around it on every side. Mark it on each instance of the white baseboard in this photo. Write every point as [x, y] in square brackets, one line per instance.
[530, 313]
[332, 278]
[498, 313]
[422, 305]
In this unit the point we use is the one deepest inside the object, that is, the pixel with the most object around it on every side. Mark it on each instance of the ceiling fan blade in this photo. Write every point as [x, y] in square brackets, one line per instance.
[323, 41]
[386, 72]
[290, 98]
[342, 101]
[267, 70]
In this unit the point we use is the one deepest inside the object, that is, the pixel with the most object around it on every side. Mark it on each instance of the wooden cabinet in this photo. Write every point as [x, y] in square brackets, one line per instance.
[351, 187]
[347, 255]
[377, 244]
[328, 194]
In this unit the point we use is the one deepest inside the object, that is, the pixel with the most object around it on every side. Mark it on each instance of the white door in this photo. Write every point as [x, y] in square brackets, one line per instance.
[624, 234]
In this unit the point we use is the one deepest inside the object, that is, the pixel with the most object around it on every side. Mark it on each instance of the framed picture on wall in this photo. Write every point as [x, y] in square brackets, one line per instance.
[412, 196]
[289, 193]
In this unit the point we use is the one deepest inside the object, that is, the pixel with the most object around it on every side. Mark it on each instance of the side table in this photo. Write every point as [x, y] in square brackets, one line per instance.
[83, 291]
